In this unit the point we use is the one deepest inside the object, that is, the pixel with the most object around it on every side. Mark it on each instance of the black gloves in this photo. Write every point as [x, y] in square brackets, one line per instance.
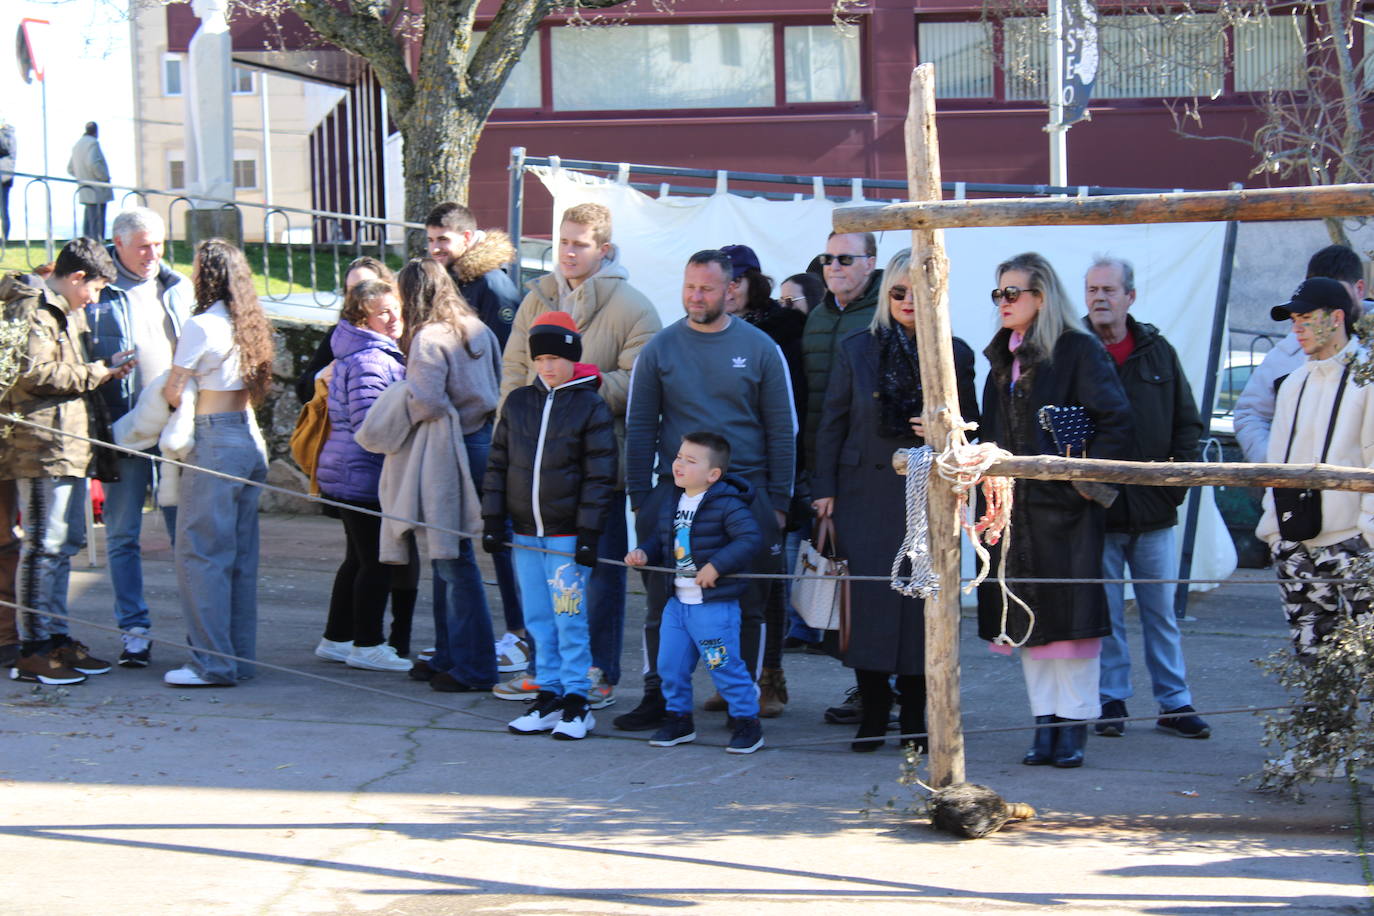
[586, 547]
[493, 534]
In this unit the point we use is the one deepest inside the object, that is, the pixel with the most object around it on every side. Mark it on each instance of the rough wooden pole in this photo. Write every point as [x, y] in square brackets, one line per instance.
[1176, 473]
[934, 339]
[1253, 205]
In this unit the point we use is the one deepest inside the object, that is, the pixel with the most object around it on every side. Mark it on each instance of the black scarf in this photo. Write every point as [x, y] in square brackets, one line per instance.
[899, 383]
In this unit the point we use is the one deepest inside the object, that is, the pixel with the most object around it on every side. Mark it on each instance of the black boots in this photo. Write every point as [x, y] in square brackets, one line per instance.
[1061, 746]
[1042, 750]
[1068, 750]
[877, 704]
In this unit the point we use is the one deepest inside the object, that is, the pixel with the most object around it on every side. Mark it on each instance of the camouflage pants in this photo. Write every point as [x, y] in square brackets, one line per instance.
[1314, 608]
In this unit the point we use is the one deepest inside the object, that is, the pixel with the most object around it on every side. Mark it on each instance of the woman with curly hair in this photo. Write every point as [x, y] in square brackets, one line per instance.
[226, 348]
[452, 364]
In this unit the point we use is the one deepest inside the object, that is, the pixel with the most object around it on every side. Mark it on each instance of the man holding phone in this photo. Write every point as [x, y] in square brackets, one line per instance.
[138, 317]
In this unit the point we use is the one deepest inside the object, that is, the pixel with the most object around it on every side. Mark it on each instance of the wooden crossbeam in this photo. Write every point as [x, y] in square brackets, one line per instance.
[1176, 473]
[1248, 205]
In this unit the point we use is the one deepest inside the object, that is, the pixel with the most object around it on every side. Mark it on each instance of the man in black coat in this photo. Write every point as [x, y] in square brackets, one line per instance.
[1140, 524]
[476, 260]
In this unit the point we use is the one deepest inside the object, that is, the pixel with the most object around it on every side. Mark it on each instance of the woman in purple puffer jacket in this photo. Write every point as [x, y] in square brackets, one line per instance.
[366, 361]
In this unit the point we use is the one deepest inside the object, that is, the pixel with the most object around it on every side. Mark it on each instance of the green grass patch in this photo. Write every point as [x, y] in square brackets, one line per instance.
[287, 270]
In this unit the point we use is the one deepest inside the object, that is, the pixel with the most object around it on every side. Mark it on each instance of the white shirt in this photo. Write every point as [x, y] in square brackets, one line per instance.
[687, 590]
[207, 348]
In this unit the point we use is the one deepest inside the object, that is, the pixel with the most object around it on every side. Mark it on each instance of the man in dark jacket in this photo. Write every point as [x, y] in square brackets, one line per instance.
[476, 260]
[1140, 524]
[851, 284]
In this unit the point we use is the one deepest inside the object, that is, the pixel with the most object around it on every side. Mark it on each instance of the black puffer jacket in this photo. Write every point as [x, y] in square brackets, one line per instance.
[1055, 532]
[553, 458]
[1166, 427]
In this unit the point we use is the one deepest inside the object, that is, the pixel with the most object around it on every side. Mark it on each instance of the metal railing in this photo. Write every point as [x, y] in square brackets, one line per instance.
[297, 231]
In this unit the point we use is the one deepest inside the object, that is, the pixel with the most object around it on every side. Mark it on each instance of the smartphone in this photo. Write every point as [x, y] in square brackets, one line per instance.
[121, 359]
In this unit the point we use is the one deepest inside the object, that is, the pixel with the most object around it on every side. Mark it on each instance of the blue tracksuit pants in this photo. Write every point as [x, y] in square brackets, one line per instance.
[709, 631]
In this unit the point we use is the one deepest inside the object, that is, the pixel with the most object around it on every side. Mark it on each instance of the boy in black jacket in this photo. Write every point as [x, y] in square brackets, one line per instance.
[552, 469]
[708, 532]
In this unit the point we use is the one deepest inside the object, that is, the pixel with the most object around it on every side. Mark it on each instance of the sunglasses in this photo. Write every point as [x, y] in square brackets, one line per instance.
[899, 294]
[844, 259]
[1011, 294]
[789, 301]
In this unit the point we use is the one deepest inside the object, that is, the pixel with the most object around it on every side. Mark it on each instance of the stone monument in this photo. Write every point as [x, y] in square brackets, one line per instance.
[210, 128]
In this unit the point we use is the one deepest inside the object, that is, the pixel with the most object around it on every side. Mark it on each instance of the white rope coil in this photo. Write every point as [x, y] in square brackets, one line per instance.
[915, 550]
[965, 467]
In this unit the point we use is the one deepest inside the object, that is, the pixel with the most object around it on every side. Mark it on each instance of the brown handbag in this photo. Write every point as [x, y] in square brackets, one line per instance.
[312, 429]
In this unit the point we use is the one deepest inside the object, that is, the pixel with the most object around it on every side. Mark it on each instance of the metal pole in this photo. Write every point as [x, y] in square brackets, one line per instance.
[266, 147]
[1209, 391]
[47, 170]
[1059, 134]
[516, 197]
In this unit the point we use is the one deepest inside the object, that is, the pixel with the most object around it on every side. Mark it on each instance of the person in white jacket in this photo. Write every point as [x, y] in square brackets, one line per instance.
[1255, 406]
[1321, 415]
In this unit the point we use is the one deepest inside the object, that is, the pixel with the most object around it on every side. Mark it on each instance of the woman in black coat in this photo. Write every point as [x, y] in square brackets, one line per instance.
[873, 406]
[1042, 357]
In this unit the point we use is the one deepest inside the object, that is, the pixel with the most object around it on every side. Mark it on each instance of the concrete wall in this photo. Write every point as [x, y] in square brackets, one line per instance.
[296, 342]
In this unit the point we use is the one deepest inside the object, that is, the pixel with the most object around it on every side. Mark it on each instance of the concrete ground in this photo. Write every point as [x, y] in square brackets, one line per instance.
[290, 795]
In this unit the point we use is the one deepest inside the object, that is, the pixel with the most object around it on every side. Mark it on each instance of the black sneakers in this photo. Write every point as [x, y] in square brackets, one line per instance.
[650, 713]
[1183, 722]
[677, 729]
[137, 649]
[1112, 709]
[746, 738]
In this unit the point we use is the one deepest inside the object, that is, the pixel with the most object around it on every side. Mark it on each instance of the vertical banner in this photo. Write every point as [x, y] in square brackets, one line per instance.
[1079, 27]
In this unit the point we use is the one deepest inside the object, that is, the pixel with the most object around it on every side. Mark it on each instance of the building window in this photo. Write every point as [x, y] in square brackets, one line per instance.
[171, 74]
[522, 89]
[1148, 56]
[1025, 59]
[245, 174]
[663, 66]
[1270, 54]
[822, 64]
[176, 174]
[241, 81]
[962, 55]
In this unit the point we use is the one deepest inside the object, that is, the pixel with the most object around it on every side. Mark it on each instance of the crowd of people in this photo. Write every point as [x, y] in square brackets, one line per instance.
[728, 434]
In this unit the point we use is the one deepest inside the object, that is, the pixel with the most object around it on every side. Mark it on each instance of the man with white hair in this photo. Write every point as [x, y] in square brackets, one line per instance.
[143, 311]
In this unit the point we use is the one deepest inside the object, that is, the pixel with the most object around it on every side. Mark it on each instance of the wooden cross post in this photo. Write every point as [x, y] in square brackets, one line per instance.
[934, 339]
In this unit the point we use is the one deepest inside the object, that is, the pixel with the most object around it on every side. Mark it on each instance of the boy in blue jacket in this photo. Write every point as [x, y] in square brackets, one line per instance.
[708, 532]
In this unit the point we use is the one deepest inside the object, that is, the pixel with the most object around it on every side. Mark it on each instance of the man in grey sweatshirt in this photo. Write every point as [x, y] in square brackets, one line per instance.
[713, 372]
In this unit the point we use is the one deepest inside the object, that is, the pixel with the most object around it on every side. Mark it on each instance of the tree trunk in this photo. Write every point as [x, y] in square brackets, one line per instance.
[440, 139]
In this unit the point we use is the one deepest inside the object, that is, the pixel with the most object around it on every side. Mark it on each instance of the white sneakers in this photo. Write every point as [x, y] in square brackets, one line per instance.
[512, 654]
[332, 651]
[369, 658]
[185, 677]
[542, 716]
[377, 658]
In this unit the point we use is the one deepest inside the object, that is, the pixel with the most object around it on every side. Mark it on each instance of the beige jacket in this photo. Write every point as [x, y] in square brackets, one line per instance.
[615, 320]
[54, 379]
[1345, 513]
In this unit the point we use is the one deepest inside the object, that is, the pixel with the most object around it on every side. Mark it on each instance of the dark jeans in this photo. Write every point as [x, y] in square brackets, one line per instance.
[606, 593]
[9, 561]
[357, 604]
[93, 223]
[5, 207]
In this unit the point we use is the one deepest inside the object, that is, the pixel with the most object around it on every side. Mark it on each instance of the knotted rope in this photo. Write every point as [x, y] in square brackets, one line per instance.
[965, 467]
[915, 549]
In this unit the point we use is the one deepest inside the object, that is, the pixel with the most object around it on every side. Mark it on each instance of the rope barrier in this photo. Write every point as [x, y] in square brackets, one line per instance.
[325, 501]
[815, 742]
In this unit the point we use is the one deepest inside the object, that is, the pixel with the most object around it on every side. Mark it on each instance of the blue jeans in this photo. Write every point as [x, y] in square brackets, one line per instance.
[709, 631]
[796, 627]
[463, 637]
[124, 501]
[1151, 556]
[556, 613]
[54, 532]
[217, 547]
[606, 593]
[478, 445]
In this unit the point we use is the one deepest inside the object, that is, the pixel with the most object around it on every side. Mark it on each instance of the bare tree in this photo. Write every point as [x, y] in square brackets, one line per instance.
[1301, 66]
[441, 103]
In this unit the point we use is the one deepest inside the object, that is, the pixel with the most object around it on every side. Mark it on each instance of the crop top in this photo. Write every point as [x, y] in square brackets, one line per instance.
[206, 347]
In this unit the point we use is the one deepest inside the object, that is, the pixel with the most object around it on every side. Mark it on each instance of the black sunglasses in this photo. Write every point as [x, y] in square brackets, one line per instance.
[844, 259]
[899, 294]
[1011, 293]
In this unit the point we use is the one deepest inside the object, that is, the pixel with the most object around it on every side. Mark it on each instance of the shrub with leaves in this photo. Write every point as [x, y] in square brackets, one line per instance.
[1329, 733]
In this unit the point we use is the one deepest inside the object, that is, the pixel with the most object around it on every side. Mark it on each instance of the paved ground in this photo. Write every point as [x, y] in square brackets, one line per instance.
[288, 795]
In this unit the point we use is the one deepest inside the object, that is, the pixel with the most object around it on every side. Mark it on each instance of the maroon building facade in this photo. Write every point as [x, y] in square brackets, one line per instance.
[644, 92]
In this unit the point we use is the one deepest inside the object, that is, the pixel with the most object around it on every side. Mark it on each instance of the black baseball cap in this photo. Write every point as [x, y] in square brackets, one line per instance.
[1312, 294]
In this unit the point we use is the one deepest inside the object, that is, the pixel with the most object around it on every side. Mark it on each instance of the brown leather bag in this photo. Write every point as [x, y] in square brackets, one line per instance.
[312, 429]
